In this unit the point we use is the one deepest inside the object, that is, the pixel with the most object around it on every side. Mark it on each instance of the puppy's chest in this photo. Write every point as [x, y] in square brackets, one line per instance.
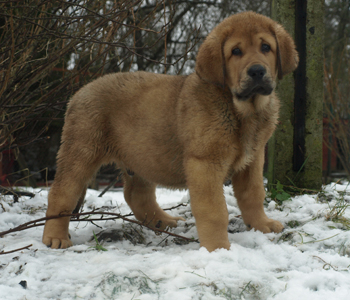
[248, 135]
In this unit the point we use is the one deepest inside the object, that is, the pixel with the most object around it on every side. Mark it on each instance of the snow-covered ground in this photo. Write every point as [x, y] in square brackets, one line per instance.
[309, 260]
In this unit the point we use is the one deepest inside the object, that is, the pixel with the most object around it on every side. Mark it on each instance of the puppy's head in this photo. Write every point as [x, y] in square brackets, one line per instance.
[247, 52]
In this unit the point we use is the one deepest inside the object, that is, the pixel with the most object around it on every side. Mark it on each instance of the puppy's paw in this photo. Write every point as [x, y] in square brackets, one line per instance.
[166, 221]
[56, 234]
[266, 226]
[57, 243]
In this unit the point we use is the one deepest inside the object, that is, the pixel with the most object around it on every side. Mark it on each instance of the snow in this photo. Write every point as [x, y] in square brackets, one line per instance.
[309, 260]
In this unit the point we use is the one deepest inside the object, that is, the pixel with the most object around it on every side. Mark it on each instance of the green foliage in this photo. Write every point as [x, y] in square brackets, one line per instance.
[98, 246]
[113, 285]
[279, 194]
[293, 224]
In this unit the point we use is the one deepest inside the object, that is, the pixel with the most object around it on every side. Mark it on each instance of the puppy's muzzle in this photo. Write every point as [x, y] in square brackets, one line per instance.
[257, 73]
[257, 83]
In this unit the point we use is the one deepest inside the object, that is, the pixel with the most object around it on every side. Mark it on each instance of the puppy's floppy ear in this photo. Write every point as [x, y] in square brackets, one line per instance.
[287, 56]
[210, 64]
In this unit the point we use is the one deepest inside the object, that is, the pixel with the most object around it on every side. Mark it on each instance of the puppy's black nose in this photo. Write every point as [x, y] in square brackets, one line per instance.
[256, 72]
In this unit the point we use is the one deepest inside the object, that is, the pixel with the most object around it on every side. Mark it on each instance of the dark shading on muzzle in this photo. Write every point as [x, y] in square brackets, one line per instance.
[257, 83]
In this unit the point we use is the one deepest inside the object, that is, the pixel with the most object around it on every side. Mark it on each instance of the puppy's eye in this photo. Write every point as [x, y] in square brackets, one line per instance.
[265, 48]
[236, 51]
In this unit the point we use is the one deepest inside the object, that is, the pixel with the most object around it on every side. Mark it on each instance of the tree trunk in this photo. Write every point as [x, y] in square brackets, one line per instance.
[295, 150]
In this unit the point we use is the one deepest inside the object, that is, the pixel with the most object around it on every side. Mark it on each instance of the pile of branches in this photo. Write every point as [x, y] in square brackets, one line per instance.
[49, 49]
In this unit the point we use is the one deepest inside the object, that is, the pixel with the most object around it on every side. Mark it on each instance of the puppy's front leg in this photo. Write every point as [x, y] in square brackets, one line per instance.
[205, 183]
[250, 193]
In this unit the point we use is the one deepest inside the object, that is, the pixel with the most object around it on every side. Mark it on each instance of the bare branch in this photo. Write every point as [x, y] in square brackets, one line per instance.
[77, 218]
[19, 249]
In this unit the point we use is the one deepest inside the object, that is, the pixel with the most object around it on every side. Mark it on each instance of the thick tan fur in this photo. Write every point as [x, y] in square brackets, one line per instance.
[190, 132]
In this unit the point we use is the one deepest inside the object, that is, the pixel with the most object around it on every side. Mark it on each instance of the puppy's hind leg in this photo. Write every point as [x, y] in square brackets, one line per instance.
[141, 197]
[74, 170]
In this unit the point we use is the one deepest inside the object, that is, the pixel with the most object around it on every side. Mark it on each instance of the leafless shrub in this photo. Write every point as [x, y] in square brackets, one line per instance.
[337, 108]
[48, 49]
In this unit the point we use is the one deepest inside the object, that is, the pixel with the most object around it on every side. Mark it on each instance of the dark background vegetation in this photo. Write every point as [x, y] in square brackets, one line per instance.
[49, 49]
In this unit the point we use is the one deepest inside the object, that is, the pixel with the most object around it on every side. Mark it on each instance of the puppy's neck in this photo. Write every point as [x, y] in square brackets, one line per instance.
[252, 106]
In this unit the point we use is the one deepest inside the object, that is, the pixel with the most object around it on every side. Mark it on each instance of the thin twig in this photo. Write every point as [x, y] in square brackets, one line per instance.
[112, 183]
[19, 249]
[76, 217]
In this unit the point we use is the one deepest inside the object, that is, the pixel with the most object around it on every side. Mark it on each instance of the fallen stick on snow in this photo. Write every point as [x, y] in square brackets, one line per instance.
[76, 218]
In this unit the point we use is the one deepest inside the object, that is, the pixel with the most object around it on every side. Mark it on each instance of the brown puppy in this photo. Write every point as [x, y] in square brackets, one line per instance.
[181, 131]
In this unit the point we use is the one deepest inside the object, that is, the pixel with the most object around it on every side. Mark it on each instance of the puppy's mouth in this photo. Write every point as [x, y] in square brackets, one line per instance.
[251, 90]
